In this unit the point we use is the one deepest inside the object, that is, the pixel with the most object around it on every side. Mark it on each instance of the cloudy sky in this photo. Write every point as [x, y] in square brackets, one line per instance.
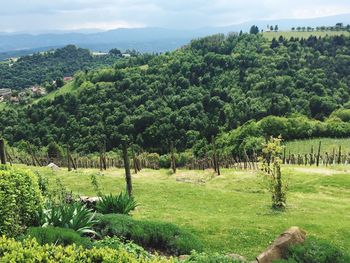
[39, 15]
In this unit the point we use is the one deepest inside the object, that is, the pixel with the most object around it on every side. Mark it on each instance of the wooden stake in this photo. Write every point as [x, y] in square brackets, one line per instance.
[2, 151]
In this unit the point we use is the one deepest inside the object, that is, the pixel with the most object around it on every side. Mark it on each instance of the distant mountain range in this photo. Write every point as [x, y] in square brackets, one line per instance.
[141, 39]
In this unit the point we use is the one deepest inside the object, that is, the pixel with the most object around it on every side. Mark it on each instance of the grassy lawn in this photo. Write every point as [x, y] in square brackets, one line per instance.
[327, 145]
[289, 34]
[231, 213]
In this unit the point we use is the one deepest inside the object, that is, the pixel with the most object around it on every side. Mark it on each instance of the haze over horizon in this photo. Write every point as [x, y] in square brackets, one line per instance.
[40, 15]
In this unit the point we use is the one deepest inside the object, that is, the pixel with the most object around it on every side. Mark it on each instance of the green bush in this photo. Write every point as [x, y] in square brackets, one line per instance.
[161, 236]
[20, 199]
[117, 243]
[30, 251]
[315, 251]
[57, 236]
[73, 216]
[118, 204]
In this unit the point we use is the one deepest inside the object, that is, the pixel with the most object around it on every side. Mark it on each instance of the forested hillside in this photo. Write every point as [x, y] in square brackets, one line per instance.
[46, 67]
[213, 85]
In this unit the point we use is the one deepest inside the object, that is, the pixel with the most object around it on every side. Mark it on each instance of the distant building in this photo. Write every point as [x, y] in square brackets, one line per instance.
[65, 79]
[14, 99]
[38, 91]
[126, 55]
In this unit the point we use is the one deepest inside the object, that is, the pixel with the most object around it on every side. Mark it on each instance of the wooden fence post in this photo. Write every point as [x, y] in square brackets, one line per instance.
[318, 154]
[2, 151]
[68, 159]
[173, 160]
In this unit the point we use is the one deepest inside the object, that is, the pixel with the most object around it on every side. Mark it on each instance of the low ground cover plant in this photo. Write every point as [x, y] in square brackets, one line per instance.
[57, 236]
[31, 251]
[160, 236]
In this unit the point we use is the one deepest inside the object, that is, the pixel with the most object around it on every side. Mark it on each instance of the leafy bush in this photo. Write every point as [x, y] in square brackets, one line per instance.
[315, 251]
[73, 216]
[57, 236]
[116, 243]
[30, 251]
[118, 204]
[20, 198]
[161, 236]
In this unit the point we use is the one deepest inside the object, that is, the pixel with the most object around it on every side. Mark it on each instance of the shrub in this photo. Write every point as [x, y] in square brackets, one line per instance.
[73, 216]
[57, 236]
[161, 236]
[119, 204]
[315, 251]
[30, 251]
[20, 198]
[116, 243]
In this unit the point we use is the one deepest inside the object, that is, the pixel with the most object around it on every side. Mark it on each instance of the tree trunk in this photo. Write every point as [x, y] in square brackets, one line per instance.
[173, 161]
[2, 151]
[69, 159]
[127, 169]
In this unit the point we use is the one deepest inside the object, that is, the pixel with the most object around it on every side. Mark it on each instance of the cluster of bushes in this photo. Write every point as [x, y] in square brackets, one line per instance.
[30, 250]
[315, 251]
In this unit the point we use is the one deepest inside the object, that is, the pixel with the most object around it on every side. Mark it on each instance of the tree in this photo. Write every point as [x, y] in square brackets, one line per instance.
[59, 82]
[276, 28]
[127, 167]
[115, 52]
[254, 30]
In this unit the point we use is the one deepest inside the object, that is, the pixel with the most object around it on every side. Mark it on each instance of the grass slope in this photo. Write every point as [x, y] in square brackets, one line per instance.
[232, 213]
[289, 34]
[327, 145]
[67, 88]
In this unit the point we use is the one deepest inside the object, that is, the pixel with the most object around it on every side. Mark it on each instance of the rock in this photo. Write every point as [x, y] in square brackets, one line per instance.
[237, 257]
[278, 249]
[89, 201]
[53, 166]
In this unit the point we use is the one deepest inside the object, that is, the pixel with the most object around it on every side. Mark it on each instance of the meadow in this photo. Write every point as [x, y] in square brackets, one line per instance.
[299, 34]
[231, 212]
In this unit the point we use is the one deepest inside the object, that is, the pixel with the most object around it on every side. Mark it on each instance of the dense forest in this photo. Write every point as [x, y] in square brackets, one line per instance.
[48, 66]
[210, 87]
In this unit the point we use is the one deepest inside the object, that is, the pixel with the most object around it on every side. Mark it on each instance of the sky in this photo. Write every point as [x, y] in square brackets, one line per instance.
[41, 15]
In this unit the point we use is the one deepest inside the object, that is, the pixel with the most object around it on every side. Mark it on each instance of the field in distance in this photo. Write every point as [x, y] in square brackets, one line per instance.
[232, 212]
[289, 34]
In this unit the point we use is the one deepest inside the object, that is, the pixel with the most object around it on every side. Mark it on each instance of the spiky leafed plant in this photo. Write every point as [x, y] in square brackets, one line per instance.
[118, 204]
[73, 216]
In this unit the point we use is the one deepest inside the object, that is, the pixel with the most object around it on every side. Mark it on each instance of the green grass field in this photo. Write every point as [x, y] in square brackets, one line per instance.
[327, 145]
[232, 212]
[2, 105]
[67, 88]
[289, 34]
